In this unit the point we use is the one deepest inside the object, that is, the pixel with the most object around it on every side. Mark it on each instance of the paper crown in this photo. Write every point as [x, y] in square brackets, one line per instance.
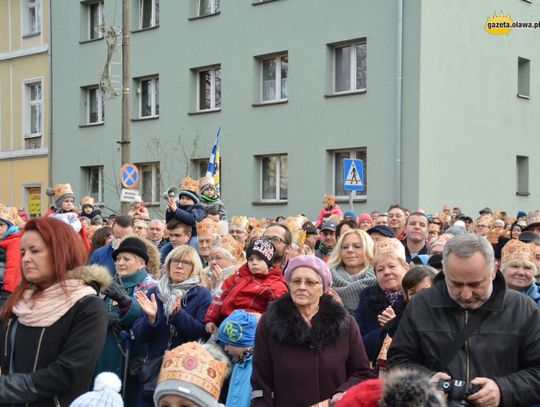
[205, 182]
[294, 223]
[9, 215]
[190, 184]
[60, 191]
[258, 223]
[442, 239]
[387, 245]
[329, 200]
[256, 233]
[533, 217]
[87, 200]
[334, 218]
[207, 227]
[240, 221]
[517, 250]
[234, 247]
[192, 363]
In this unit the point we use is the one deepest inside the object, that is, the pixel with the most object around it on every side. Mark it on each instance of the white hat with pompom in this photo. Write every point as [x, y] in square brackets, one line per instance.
[106, 391]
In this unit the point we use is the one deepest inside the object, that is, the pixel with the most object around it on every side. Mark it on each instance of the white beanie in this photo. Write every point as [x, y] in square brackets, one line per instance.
[105, 394]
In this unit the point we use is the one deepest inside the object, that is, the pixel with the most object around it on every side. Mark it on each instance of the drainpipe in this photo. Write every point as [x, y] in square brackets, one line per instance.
[399, 87]
[50, 143]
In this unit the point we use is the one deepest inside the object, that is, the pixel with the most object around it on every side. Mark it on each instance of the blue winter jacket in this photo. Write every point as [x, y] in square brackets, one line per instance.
[103, 257]
[239, 394]
[534, 292]
[187, 214]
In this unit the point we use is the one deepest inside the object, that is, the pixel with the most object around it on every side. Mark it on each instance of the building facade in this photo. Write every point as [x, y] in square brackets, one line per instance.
[428, 100]
[24, 104]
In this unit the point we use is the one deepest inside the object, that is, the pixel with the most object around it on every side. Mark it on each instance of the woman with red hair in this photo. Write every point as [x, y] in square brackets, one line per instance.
[54, 324]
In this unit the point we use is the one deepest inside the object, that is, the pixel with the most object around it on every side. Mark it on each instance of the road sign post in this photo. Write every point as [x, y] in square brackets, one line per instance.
[353, 177]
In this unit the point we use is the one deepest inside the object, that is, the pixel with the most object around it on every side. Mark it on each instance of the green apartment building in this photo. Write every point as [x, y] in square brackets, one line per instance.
[439, 110]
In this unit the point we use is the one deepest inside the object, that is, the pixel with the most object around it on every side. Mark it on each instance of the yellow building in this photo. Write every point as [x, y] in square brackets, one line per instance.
[24, 103]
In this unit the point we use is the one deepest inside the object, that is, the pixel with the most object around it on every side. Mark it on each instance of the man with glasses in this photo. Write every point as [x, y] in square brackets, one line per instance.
[482, 226]
[280, 236]
[237, 229]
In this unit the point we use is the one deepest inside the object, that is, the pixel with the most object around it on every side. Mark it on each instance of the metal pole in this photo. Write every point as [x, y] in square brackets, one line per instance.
[351, 201]
[126, 135]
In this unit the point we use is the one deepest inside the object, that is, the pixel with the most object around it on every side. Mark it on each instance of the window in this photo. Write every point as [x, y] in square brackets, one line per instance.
[275, 73]
[524, 77]
[94, 183]
[207, 7]
[209, 89]
[337, 158]
[94, 106]
[522, 167]
[149, 97]
[95, 19]
[149, 183]
[350, 67]
[33, 122]
[148, 13]
[199, 167]
[31, 16]
[274, 178]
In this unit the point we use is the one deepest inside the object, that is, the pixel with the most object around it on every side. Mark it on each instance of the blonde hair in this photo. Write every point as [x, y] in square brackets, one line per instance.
[367, 247]
[184, 251]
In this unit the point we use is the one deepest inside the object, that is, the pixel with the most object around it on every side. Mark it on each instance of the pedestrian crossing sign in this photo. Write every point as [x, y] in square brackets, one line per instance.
[353, 175]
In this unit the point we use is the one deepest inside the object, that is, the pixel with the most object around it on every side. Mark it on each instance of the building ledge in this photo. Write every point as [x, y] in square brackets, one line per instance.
[144, 119]
[82, 126]
[204, 111]
[13, 154]
[352, 92]
[203, 16]
[90, 40]
[140, 30]
[23, 52]
[275, 102]
[523, 193]
[259, 2]
[523, 96]
[358, 199]
[260, 203]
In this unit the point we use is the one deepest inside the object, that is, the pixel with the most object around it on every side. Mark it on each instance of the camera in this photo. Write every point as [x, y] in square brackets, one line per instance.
[457, 391]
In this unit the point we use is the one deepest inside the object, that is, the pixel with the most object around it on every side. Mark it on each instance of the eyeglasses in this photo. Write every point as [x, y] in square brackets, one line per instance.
[274, 239]
[297, 282]
[355, 246]
[184, 263]
[236, 232]
[436, 222]
[216, 258]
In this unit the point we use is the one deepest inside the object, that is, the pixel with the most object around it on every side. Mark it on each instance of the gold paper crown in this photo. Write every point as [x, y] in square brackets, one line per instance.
[192, 363]
[204, 181]
[59, 190]
[207, 226]
[387, 245]
[256, 233]
[234, 247]
[190, 184]
[87, 200]
[240, 221]
[533, 217]
[294, 223]
[9, 214]
[334, 218]
[442, 239]
[258, 223]
[329, 200]
[517, 250]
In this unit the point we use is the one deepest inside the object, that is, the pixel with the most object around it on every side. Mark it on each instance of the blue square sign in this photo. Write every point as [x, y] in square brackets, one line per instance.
[353, 175]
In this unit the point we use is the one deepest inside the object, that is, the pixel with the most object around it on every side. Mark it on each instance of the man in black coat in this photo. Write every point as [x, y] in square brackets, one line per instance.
[501, 356]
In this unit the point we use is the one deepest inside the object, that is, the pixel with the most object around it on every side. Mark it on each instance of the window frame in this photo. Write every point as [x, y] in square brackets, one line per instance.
[358, 153]
[522, 175]
[154, 14]
[28, 103]
[278, 176]
[90, 31]
[154, 106]
[215, 7]
[213, 89]
[353, 66]
[155, 183]
[524, 78]
[100, 183]
[27, 29]
[100, 105]
[278, 79]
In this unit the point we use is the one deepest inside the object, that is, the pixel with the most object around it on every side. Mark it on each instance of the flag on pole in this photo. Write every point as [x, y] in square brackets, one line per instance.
[214, 163]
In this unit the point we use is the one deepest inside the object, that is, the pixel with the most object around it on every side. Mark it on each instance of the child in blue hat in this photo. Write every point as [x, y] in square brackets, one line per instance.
[237, 333]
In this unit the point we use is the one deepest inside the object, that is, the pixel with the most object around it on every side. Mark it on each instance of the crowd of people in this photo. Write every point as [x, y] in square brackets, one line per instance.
[388, 308]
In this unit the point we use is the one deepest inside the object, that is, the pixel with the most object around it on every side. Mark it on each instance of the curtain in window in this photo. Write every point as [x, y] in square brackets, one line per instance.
[342, 69]
[269, 79]
[361, 66]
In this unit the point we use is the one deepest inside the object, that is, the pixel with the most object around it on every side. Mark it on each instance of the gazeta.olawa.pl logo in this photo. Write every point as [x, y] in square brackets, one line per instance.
[498, 24]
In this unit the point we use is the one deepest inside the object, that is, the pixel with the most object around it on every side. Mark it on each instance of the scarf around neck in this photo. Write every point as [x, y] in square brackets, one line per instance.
[350, 287]
[168, 292]
[42, 308]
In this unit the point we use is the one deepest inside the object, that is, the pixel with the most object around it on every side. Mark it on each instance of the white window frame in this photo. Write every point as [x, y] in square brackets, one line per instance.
[213, 89]
[278, 178]
[154, 17]
[89, 175]
[277, 60]
[154, 105]
[100, 107]
[215, 7]
[28, 136]
[353, 68]
[199, 167]
[98, 34]
[155, 198]
[359, 153]
[27, 25]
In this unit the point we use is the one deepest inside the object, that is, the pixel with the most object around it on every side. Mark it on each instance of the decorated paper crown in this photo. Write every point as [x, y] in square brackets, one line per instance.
[191, 363]
[60, 192]
[256, 233]
[9, 215]
[190, 184]
[294, 223]
[240, 221]
[205, 182]
[517, 250]
[533, 217]
[329, 200]
[334, 218]
[442, 239]
[387, 245]
[87, 200]
[234, 247]
[258, 223]
[207, 227]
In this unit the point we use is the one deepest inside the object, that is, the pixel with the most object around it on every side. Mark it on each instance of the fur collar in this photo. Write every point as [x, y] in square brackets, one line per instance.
[94, 275]
[286, 325]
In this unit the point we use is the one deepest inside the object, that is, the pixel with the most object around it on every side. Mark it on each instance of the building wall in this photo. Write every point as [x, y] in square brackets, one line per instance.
[23, 59]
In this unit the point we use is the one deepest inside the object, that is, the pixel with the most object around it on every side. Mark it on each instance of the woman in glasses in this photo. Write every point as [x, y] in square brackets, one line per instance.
[307, 346]
[174, 310]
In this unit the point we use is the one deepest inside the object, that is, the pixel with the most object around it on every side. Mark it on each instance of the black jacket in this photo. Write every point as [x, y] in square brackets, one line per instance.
[505, 347]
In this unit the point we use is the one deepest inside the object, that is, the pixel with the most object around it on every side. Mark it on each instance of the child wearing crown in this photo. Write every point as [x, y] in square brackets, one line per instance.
[209, 197]
[187, 209]
[330, 207]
